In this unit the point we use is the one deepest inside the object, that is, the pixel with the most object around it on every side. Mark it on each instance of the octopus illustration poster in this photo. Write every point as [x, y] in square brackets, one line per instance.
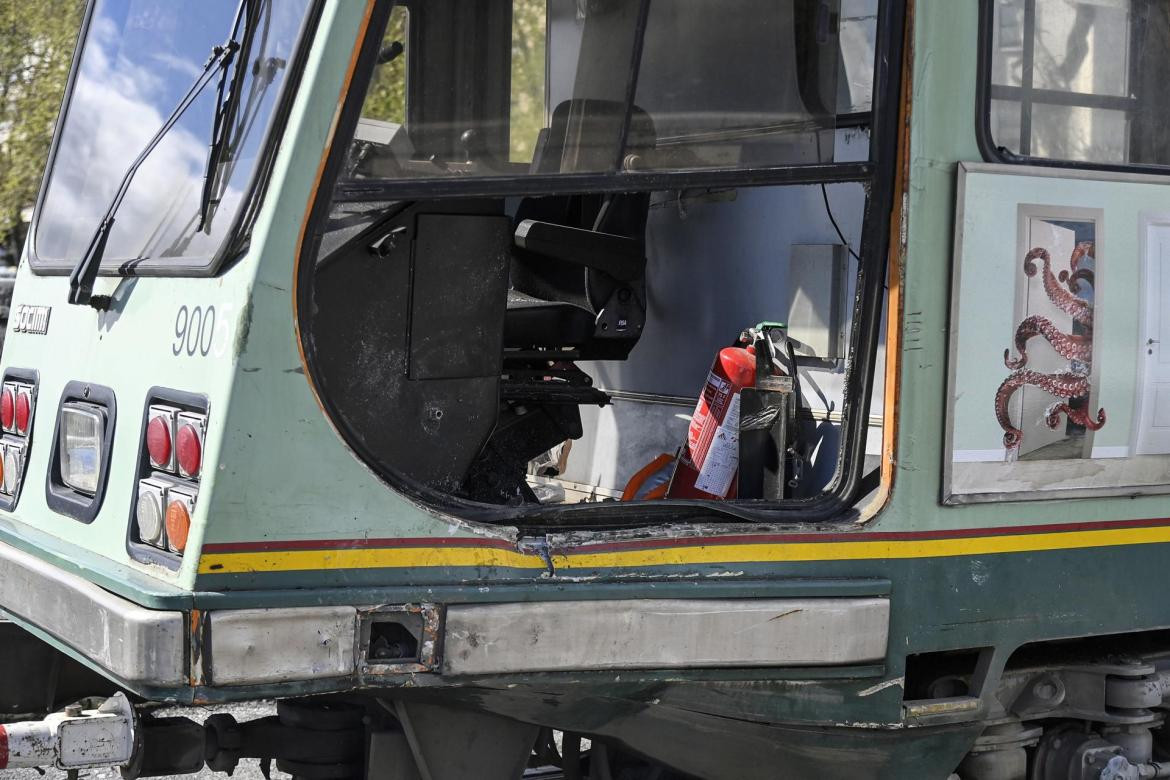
[1055, 386]
[1042, 405]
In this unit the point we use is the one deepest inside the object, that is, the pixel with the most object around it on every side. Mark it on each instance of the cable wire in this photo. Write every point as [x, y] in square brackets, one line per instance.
[829, 212]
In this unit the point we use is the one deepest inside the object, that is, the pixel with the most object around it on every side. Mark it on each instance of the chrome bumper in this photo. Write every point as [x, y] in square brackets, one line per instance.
[137, 645]
[149, 648]
[572, 636]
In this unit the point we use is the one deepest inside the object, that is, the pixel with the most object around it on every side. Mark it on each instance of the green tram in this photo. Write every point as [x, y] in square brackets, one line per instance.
[606, 389]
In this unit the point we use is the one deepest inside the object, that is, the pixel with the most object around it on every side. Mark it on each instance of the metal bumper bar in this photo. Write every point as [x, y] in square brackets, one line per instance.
[137, 645]
[664, 634]
[148, 648]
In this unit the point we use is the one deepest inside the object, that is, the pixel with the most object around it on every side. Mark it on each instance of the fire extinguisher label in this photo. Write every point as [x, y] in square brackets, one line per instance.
[709, 415]
[722, 457]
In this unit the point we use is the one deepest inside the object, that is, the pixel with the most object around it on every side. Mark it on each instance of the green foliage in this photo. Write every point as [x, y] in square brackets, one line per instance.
[36, 47]
[386, 99]
[529, 26]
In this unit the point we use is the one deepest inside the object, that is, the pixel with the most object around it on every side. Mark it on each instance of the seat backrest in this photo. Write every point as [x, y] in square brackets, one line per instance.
[583, 136]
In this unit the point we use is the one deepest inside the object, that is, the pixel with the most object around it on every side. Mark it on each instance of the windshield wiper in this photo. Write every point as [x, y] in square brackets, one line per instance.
[84, 274]
[225, 112]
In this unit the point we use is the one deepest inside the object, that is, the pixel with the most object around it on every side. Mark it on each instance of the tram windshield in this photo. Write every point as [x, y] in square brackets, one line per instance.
[137, 60]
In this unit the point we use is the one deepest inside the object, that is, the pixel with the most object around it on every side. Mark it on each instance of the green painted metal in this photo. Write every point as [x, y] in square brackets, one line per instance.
[942, 135]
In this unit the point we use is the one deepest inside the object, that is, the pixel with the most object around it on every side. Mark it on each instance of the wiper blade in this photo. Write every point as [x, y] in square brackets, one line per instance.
[226, 108]
[84, 274]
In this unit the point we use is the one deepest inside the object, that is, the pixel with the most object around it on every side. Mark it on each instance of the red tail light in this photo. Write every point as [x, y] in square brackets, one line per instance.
[24, 408]
[18, 396]
[189, 447]
[160, 437]
[8, 408]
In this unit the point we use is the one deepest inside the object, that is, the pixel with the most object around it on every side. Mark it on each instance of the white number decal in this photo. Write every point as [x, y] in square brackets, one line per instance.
[221, 342]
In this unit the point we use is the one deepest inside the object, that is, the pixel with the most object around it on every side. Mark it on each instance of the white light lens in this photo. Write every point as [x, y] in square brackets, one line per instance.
[12, 463]
[82, 428]
[150, 519]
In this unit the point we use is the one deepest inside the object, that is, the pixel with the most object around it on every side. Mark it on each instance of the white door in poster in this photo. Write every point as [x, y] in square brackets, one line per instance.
[1154, 415]
[1030, 405]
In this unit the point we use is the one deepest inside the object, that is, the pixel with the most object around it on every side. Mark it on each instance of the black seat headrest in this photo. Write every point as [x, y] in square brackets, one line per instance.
[584, 135]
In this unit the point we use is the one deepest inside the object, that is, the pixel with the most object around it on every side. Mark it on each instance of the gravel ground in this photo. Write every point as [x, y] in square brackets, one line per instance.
[247, 770]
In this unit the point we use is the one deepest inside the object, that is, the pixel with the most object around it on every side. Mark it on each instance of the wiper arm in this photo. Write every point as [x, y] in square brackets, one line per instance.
[226, 109]
[84, 274]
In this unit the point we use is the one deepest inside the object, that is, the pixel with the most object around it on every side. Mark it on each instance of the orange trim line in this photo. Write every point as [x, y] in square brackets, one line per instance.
[896, 260]
[350, 70]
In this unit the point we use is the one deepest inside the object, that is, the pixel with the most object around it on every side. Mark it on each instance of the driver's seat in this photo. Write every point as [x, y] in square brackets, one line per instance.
[577, 292]
[579, 262]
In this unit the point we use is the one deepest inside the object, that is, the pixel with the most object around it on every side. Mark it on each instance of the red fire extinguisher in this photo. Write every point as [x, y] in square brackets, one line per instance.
[709, 460]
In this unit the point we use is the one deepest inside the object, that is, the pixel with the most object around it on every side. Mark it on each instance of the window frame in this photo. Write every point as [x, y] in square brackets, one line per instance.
[595, 182]
[236, 238]
[986, 92]
[849, 483]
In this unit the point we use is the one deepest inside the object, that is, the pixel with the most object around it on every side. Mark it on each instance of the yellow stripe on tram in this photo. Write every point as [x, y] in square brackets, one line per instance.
[371, 558]
[306, 560]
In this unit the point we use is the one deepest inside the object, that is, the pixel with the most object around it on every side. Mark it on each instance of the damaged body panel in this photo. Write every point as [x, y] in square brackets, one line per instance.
[571, 636]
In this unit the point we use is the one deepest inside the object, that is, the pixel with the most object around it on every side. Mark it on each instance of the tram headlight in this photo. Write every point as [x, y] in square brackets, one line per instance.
[82, 431]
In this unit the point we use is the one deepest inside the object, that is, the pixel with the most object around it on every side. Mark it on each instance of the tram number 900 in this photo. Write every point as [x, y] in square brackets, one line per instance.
[196, 333]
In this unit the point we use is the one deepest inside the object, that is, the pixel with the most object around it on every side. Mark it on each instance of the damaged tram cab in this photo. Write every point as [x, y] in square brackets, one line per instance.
[533, 240]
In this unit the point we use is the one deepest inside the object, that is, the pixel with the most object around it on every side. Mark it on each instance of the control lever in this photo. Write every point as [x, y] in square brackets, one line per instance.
[390, 53]
[385, 245]
[475, 150]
